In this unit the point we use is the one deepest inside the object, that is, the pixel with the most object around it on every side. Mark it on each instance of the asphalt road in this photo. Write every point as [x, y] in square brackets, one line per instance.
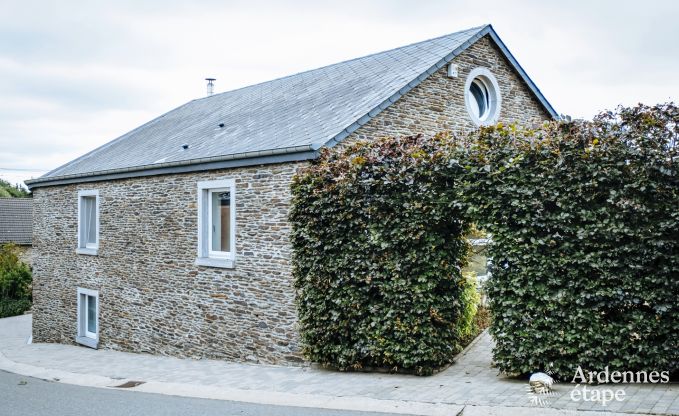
[25, 396]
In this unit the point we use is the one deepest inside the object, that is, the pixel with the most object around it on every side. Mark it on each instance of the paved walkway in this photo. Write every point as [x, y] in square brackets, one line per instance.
[470, 384]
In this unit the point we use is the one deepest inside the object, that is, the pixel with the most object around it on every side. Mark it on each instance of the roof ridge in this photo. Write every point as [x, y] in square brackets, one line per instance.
[476, 28]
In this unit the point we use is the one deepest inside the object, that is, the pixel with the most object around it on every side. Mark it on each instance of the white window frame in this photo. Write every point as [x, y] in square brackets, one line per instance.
[88, 248]
[495, 98]
[83, 336]
[206, 256]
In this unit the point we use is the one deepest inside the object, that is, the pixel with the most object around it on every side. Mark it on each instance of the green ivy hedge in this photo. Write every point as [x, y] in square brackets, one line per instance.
[378, 247]
[584, 219]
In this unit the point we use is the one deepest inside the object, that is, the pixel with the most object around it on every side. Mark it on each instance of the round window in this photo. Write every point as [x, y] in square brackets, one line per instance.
[482, 97]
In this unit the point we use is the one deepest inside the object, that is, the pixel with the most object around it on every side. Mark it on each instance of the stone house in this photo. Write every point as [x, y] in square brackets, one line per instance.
[16, 216]
[173, 238]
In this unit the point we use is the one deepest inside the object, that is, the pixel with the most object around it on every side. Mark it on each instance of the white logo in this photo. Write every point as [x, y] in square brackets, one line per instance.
[604, 395]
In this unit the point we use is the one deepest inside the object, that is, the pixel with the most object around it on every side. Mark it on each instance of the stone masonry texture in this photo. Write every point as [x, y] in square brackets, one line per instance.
[154, 299]
[152, 296]
[437, 104]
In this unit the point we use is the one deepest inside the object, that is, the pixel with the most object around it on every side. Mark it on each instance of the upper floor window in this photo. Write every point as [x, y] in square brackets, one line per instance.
[216, 223]
[88, 222]
[482, 97]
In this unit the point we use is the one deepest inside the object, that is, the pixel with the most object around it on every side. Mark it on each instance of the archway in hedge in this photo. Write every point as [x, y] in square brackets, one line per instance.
[585, 246]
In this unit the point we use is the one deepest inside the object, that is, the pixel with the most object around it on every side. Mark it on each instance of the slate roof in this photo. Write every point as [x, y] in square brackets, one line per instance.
[273, 120]
[16, 218]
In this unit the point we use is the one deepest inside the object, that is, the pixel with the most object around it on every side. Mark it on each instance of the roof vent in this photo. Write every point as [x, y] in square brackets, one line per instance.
[210, 85]
[185, 146]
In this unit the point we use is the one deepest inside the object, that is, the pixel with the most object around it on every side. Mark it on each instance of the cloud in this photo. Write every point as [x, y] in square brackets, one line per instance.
[75, 75]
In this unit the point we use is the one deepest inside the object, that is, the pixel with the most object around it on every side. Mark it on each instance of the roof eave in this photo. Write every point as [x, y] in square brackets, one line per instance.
[534, 88]
[262, 157]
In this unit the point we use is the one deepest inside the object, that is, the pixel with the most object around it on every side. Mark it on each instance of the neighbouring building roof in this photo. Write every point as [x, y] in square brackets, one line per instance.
[16, 218]
[285, 119]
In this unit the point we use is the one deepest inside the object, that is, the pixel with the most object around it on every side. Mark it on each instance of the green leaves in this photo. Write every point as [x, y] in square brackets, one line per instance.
[585, 241]
[585, 246]
[15, 282]
[380, 221]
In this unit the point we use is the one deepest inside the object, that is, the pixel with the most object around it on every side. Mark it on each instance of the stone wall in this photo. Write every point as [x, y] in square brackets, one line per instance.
[152, 297]
[437, 103]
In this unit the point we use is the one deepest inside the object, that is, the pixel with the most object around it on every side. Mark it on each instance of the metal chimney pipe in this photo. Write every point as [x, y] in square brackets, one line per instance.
[210, 85]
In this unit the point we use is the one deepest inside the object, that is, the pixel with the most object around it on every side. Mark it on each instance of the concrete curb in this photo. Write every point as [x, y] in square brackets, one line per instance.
[470, 410]
[355, 403]
[413, 405]
[350, 403]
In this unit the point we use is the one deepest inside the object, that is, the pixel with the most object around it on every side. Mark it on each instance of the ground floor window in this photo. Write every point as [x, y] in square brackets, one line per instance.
[217, 223]
[88, 317]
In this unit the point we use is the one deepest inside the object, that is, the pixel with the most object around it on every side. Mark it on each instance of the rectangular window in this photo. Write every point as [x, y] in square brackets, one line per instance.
[88, 317]
[88, 222]
[216, 223]
[220, 222]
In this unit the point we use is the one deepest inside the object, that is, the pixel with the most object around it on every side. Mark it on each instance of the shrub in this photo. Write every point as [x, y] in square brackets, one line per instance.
[470, 298]
[13, 307]
[15, 282]
[585, 230]
[378, 247]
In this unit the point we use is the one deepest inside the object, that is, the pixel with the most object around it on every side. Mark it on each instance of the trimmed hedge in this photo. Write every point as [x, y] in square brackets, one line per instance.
[584, 219]
[378, 247]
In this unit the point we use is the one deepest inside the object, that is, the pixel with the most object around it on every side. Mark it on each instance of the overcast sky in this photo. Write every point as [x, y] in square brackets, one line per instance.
[77, 74]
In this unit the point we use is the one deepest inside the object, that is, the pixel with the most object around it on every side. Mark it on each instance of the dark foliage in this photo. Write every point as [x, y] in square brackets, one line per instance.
[584, 220]
[15, 282]
[585, 225]
[378, 247]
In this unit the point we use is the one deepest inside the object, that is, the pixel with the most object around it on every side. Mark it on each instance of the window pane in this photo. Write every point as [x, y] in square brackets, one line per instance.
[221, 221]
[480, 98]
[91, 314]
[89, 219]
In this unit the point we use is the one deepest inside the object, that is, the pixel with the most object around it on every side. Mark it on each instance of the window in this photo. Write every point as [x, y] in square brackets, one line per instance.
[88, 317]
[482, 97]
[88, 222]
[216, 223]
